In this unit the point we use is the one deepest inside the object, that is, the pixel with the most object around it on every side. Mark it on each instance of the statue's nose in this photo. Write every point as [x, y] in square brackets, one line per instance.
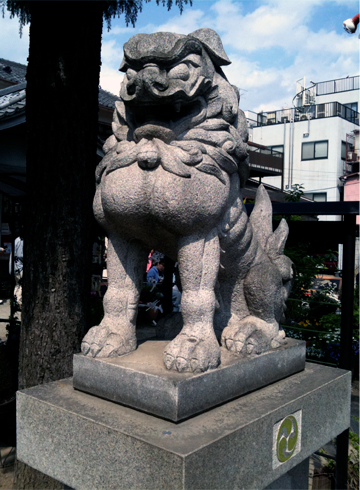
[154, 78]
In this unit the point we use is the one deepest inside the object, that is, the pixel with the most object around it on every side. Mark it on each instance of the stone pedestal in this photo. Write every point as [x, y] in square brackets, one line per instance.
[88, 442]
[140, 379]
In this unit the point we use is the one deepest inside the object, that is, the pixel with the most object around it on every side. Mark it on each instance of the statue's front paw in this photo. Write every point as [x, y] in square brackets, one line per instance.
[189, 353]
[101, 341]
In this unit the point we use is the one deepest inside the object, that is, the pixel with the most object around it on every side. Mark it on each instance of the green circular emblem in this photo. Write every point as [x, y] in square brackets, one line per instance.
[287, 439]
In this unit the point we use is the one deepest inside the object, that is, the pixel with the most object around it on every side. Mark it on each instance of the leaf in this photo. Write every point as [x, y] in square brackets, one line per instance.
[125, 158]
[169, 161]
[214, 138]
[208, 167]
[214, 124]
[223, 159]
[190, 158]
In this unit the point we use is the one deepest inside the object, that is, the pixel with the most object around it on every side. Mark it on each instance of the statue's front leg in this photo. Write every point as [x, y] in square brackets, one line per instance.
[196, 348]
[116, 334]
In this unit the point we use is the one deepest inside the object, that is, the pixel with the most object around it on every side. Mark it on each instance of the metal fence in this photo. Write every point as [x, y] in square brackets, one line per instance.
[339, 85]
[318, 111]
[266, 158]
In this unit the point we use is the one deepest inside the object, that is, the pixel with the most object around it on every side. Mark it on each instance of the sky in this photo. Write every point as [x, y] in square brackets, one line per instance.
[271, 43]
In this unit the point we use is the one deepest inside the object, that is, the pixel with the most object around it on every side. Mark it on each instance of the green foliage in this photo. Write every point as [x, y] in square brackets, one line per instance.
[295, 194]
[321, 304]
[110, 9]
[307, 267]
[131, 9]
[292, 196]
[356, 307]
[20, 9]
[314, 315]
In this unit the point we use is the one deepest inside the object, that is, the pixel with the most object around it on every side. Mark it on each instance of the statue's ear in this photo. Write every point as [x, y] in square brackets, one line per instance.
[213, 45]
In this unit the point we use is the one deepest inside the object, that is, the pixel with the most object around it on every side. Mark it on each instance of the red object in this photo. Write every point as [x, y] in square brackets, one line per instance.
[356, 19]
[149, 264]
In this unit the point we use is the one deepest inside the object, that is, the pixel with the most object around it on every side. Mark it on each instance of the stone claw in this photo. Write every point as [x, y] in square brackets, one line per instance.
[249, 348]
[94, 350]
[239, 345]
[168, 361]
[188, 353]
[109, 351]
[85, 348]
[105, 341]
[230, 345]
[181, 364]
[194, 364]
[251, 335]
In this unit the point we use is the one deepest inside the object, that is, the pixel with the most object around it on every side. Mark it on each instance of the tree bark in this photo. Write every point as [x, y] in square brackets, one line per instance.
[62, 107]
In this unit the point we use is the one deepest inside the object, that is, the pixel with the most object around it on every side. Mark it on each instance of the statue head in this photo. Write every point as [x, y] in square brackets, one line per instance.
[174, 92]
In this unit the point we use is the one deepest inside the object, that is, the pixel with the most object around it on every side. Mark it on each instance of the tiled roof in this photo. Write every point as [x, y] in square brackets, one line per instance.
[107, 99]
[11, 71]
[16, 73]
[12, 100]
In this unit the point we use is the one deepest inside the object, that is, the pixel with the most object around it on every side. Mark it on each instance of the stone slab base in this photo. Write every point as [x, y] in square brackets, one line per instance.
[87, 442]
[140, 379]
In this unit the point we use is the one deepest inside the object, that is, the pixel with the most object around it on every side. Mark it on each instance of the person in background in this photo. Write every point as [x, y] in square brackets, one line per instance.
[152, 277]
[18, 268]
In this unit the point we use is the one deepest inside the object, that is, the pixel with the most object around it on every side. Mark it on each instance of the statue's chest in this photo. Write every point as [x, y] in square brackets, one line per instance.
[178, 203]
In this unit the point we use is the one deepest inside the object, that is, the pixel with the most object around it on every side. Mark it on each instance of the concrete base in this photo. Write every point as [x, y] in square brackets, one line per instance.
[140, 379]
[249, 443]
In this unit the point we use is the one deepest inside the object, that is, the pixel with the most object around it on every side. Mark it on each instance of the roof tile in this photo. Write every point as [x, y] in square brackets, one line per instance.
[13, 99]
[11, 71]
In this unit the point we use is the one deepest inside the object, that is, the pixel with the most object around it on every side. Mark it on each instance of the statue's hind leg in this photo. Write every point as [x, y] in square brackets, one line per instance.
[196, 348]
[116, 335]
[258, 331]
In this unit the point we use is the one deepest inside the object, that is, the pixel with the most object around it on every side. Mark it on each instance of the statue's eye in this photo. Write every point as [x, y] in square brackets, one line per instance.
[179, 71]
[130, 73]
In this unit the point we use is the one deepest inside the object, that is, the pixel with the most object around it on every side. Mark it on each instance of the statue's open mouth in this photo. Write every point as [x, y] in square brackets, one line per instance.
[167, 121]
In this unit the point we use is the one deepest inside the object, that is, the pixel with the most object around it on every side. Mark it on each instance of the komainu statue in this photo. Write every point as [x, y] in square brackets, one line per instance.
[171, 181]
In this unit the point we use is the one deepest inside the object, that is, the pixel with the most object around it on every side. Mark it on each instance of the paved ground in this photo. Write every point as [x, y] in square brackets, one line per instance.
[4, 315]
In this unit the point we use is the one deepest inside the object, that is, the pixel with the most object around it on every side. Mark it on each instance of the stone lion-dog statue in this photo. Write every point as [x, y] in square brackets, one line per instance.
[171, 181]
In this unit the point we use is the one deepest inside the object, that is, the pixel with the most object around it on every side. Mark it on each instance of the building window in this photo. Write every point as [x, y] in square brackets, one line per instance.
[343, 150]
[314, 150]
[350, 149]
[316, 196]
[278, 148]
[352, 105]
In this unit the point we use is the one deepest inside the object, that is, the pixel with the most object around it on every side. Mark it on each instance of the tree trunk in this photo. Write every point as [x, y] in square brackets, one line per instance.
[62, 107]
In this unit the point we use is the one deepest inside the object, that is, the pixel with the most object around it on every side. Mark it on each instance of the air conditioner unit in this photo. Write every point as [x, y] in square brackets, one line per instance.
[351, 156]
[271, 118]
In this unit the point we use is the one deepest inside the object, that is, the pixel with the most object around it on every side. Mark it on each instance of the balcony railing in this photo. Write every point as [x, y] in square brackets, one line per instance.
[318, 111]
[265, 161]
[339, 85]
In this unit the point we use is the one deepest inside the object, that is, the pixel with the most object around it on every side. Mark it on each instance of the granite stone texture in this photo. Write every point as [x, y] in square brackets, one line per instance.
[140, 379]
[171, 181]
[87, 442]
[295, 479]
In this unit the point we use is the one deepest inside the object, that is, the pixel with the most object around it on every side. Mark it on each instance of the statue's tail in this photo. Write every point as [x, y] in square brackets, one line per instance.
[273, 243]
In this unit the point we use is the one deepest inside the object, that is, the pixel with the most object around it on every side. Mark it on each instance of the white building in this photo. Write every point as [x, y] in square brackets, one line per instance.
[316, 137]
